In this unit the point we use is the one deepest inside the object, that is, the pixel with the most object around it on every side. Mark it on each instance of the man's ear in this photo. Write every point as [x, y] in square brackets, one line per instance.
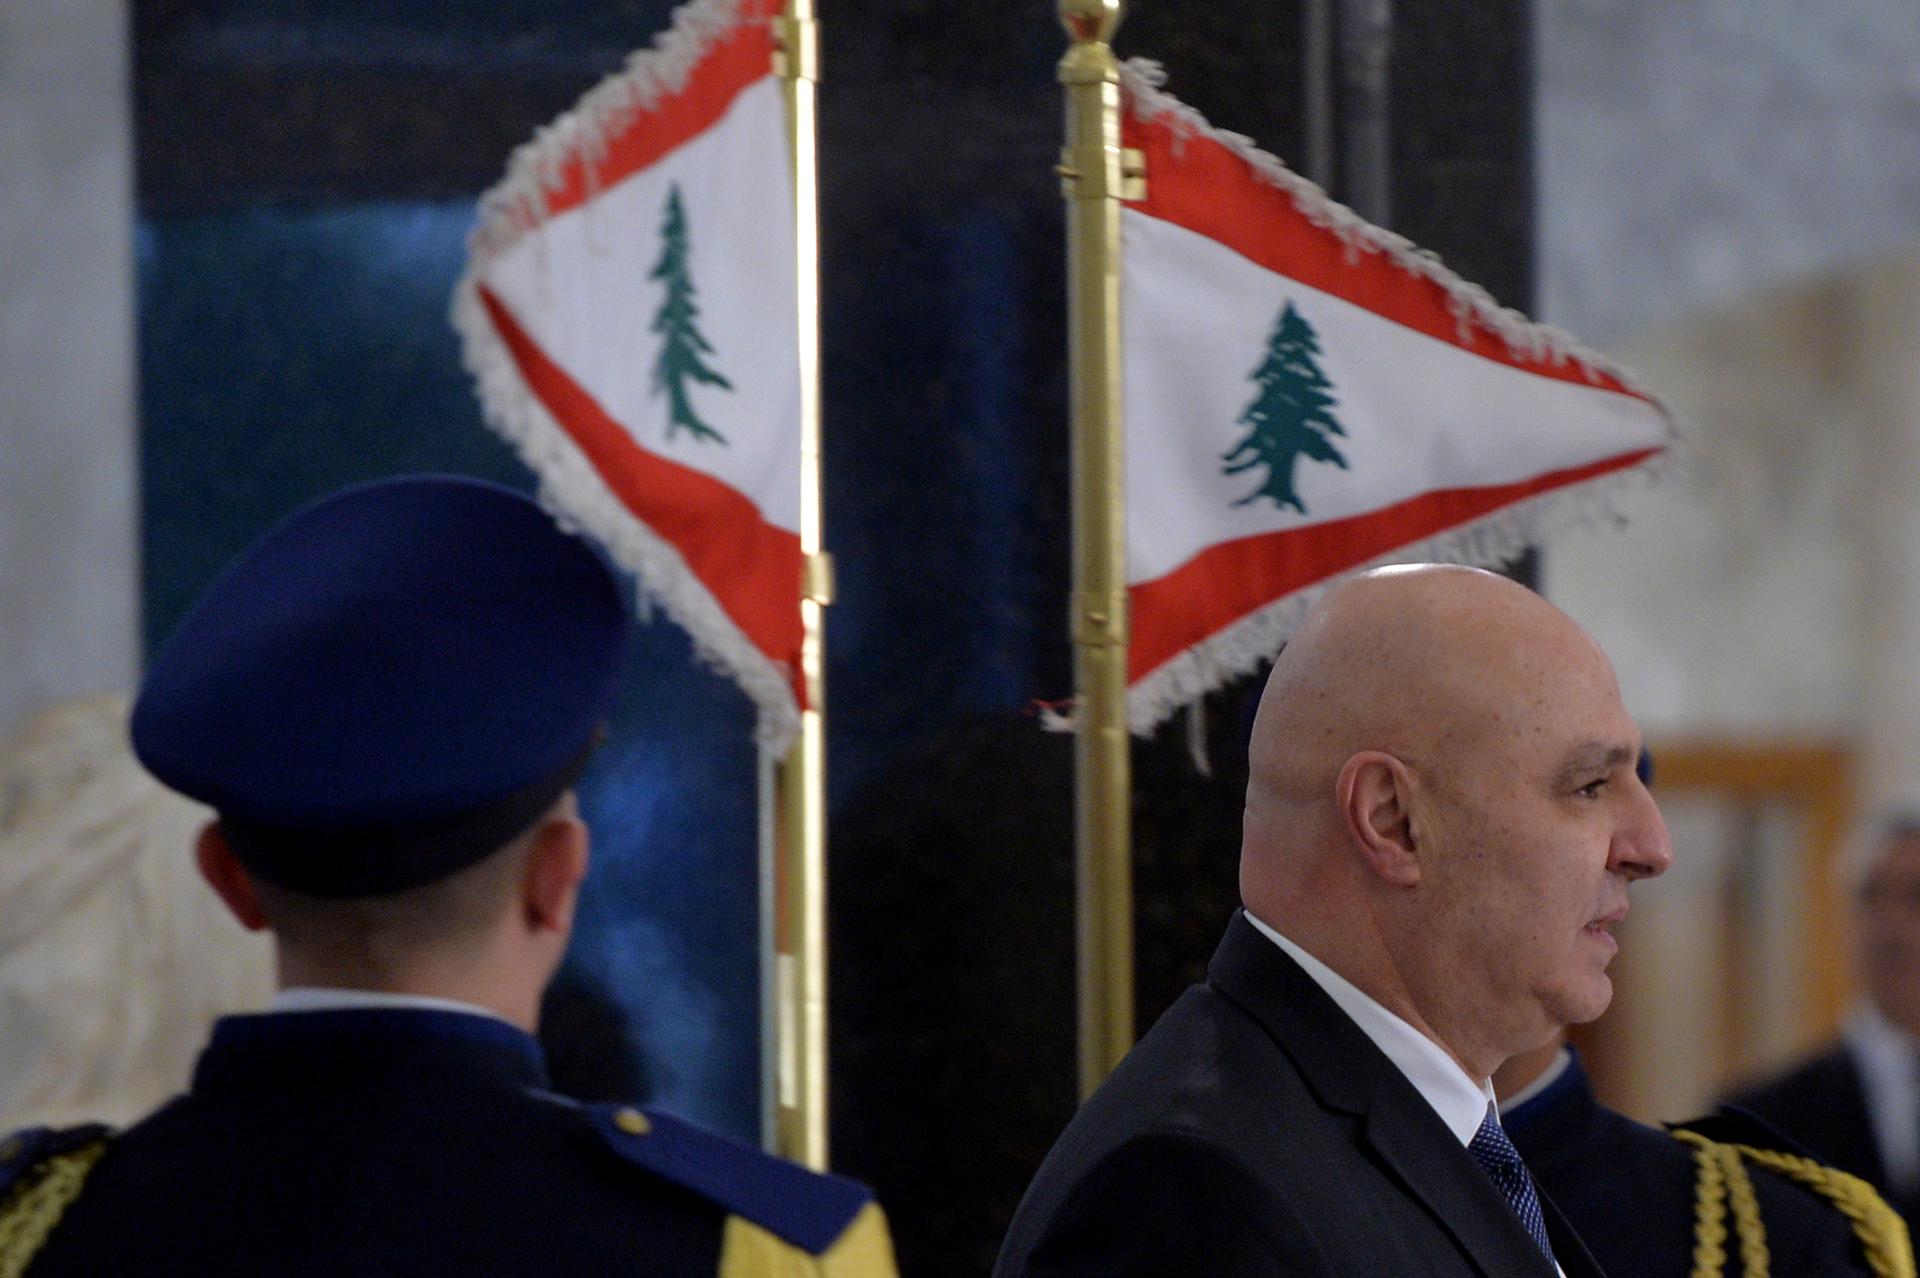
[556, 864]
[1374, 793]
[228, 878]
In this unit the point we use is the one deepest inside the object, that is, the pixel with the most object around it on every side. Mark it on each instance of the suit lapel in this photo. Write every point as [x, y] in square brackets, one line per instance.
[1438, 1170]
[1575, 1260]
[1347, 1073]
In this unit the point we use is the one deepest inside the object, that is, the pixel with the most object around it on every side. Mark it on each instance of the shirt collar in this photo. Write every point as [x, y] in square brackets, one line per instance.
[1460, 1101]
[1890, 1076]
[314, 998]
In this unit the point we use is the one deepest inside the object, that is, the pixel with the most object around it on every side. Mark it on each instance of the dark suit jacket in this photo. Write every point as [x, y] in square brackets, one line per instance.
[1257, 1130]
[1629, 1191]
[391, 1142]
[1821, 1104]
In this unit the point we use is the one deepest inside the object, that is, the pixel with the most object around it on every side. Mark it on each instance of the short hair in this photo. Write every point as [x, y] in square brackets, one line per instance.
[382, 931]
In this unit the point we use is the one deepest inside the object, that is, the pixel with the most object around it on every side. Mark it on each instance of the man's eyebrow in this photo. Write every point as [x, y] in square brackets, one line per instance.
[1595, 757]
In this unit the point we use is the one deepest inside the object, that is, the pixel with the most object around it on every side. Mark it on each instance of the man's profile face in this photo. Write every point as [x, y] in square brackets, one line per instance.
[1888, 915]
[1536, 825]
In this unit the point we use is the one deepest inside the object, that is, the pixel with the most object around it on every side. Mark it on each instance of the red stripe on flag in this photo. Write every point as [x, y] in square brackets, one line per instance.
[1224, 583]
[1195, 182]
[737, 59]
[752, 567]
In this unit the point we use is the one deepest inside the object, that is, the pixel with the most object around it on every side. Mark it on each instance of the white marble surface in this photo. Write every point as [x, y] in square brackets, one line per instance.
[1774, 590]
[1889, 313]
[1729, 197]
[1691, 151]
[68, 488]
[1732, 603]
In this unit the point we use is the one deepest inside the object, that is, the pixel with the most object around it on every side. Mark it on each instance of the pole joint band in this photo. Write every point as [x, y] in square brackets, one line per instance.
[816, 578]
[1100, 620]
[1095, 172]
[796, 48]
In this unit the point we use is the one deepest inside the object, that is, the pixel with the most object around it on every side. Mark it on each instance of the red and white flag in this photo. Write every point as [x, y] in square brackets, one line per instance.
[1307, 394]
[629, 314]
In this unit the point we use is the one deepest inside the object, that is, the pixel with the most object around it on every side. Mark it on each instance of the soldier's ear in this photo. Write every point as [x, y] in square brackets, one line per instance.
[228, 878]
[556, 864]
[1374, 793]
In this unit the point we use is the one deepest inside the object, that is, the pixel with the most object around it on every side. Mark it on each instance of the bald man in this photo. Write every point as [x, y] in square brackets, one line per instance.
[1442, 820]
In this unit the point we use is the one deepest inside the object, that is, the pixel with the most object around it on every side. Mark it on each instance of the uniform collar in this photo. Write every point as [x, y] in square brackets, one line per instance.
[359, 1046]
[1556, 1069]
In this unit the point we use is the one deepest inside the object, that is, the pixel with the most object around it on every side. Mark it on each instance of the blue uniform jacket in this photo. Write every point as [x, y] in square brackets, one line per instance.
[1631, 1190]
[372, 1142]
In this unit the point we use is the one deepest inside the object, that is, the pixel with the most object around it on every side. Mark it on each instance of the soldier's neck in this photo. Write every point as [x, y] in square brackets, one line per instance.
[512, 995]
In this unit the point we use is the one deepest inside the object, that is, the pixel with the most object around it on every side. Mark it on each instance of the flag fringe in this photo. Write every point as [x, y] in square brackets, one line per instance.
[1142, 80]
[570, 487]
[517, 204]
[579, 498]
[1493, 539]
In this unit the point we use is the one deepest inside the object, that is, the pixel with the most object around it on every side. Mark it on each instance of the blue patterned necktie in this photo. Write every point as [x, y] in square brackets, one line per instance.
[1501, 1161]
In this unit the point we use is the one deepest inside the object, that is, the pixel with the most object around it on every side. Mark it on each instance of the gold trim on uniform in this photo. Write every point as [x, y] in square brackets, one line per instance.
[35, 1205]
[1723, 1178]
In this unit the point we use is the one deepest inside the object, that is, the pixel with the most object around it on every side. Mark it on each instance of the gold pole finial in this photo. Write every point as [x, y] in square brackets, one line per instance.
[1091, 21]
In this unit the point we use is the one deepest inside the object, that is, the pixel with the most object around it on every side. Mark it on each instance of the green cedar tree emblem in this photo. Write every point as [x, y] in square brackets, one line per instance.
[1292, 413]
[683, 346]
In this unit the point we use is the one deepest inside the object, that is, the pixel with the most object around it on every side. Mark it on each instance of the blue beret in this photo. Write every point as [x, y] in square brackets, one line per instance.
[389, 685]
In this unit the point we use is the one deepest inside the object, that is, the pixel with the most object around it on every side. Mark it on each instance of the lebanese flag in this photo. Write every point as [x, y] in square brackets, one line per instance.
[1307, 395]
[628, 313]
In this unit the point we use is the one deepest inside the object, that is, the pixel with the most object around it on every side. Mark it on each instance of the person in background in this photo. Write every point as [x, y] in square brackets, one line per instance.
[1856, 1102]
[1721, 1196]
[386, 702]
[1442, 821]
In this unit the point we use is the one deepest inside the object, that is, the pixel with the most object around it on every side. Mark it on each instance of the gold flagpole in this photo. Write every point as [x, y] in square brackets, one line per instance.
[1096, 174]
[800, 871]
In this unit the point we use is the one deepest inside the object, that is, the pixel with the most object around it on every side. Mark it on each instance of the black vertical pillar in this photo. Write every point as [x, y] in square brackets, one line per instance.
[952, 877]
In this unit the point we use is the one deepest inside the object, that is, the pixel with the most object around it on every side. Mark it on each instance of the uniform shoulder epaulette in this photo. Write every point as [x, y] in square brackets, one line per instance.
[806, 1209]
[42, 1170]
[1724, 1143]
[1733, 1125]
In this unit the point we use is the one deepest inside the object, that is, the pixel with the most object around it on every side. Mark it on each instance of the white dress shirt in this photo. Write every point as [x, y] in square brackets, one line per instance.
[313, 998]
[1459, 1099]
[1889, 1063]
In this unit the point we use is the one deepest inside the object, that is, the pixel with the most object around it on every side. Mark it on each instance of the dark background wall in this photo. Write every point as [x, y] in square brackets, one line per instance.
[306, 175]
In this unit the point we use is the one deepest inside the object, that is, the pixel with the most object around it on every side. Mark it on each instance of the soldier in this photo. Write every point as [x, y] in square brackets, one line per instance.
[1724, 1195]
[387, 701]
